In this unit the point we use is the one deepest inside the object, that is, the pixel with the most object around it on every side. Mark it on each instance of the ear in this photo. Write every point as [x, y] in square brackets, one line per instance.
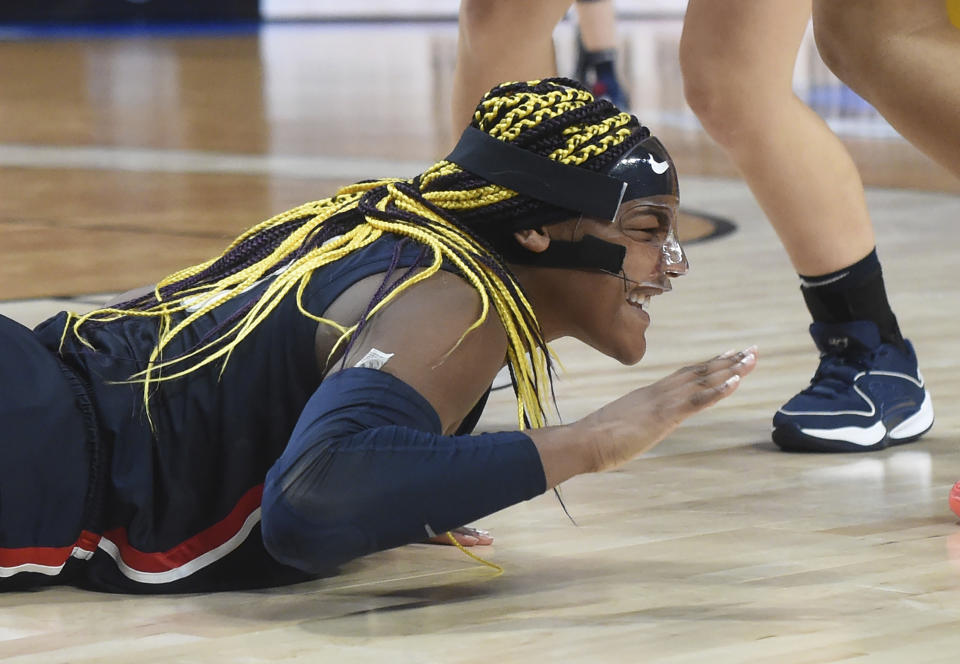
[533, 239]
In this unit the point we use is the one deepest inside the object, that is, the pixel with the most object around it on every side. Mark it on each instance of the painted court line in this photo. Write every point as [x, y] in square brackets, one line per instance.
[195, 161]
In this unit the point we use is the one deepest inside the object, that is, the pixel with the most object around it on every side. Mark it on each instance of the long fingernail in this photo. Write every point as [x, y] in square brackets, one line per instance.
[729, 353]
[731, 381]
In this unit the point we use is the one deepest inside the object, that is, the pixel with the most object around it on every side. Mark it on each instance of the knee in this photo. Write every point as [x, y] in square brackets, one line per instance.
[489, 18]
[482, 15]
[710, 103]
[310, 542]
[286, 535]
[721, 94]
[847, 36]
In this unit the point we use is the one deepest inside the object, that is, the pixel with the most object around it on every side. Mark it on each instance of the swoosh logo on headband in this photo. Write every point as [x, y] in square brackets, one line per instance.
[658, 167]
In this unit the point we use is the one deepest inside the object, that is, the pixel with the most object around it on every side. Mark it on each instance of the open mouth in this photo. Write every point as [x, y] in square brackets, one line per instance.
[639, 300]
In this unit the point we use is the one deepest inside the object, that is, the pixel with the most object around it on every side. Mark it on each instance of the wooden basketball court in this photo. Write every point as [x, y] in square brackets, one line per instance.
[125, 157]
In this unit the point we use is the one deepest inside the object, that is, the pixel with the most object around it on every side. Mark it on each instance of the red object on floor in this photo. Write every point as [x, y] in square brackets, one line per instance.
[955, 498]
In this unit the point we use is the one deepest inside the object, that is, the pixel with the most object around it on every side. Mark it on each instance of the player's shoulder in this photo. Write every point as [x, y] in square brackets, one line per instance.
[437, 337]
[442, 306]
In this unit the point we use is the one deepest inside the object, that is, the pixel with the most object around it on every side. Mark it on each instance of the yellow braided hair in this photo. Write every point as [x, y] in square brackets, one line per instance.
[458, 217]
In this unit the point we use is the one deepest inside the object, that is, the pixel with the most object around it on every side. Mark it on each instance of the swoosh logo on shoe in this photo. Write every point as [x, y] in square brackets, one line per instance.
[866, 399]
[915, 425]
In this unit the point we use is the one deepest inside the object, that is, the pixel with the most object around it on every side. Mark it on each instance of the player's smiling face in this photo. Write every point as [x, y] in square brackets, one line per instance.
[609, 312]
[619, 312]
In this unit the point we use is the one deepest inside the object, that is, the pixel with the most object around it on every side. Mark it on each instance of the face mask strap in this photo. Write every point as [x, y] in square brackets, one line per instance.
[588, 253]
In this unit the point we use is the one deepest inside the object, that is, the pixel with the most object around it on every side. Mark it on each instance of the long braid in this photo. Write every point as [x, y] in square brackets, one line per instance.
[455, 216]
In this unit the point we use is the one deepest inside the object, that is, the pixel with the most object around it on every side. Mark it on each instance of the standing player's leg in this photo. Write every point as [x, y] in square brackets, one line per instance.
[738, 58]
[501, 40]
[904, 58]
[597, 59]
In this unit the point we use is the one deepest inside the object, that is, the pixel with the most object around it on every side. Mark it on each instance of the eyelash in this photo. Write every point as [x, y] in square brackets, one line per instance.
[649, 233]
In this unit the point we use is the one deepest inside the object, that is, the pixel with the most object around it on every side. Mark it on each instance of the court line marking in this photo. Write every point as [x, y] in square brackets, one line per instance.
[153, 160]
[64, 224]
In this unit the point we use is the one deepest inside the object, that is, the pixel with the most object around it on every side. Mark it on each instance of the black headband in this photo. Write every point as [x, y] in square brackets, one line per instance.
[645, 170]
[593, 194]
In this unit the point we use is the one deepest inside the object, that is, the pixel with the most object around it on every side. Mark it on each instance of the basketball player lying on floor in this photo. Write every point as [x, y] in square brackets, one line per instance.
[308, 396]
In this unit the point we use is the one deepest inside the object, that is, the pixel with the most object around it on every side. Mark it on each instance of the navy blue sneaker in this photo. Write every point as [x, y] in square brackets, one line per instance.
[866, 395]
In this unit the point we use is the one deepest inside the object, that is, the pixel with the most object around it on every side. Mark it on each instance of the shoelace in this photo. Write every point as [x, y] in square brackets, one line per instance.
[836, 373]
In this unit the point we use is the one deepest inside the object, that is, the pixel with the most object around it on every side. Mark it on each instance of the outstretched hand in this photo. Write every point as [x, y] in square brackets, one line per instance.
[637, 421]
[631, 425]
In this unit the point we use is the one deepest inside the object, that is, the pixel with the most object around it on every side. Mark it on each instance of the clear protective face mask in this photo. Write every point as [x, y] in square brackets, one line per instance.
[650, 227]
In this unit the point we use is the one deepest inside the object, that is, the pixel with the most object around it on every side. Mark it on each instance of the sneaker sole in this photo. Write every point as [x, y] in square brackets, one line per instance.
[791, 438]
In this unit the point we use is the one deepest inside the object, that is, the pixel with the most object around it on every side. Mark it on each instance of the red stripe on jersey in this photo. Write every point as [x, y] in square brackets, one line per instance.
[48, 556]
[196, 546]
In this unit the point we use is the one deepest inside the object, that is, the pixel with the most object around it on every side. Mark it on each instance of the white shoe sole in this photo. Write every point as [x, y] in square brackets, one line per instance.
[910, 428]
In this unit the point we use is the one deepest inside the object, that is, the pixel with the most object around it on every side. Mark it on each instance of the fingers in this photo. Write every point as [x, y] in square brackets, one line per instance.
[463, 539]
[465, 536]
[711, 395]
[472, 535]
[697, 386]
[719, 378]
[730, 359]
[745, 361]
[637, 421]
[741, 362]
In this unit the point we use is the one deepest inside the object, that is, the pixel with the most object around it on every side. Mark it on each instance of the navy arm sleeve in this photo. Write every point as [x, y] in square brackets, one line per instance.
[367, 468]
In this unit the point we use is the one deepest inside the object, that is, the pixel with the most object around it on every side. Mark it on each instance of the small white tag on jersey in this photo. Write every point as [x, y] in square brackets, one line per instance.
[373, 359]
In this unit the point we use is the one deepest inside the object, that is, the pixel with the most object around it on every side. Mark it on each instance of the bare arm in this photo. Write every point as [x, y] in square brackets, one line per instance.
[421, 328]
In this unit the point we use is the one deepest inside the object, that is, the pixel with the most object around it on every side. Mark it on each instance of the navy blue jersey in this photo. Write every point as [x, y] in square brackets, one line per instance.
[167, 501]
